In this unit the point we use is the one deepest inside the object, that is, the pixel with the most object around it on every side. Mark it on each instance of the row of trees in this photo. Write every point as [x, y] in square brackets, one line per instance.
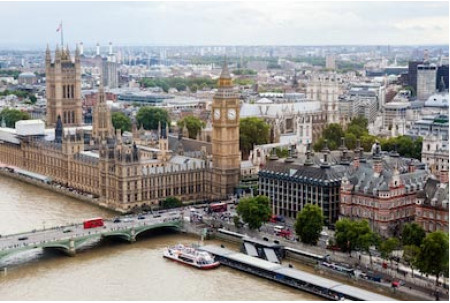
[20, 94]
[428, 253]
[357, 129]
[252, 130]
[11, 116]
[10, 72]
[244, 72]
[181, 84]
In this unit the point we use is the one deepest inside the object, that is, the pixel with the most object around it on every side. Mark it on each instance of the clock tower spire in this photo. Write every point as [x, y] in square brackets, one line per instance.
[226, 156]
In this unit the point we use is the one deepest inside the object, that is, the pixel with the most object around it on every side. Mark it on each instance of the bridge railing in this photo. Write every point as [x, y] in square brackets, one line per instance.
[88, 232]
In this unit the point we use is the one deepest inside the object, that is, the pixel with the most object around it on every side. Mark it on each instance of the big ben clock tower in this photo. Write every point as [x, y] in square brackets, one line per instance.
[225, 138]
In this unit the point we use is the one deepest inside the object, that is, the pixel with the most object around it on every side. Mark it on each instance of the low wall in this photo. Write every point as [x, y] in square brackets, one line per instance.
[67, 193]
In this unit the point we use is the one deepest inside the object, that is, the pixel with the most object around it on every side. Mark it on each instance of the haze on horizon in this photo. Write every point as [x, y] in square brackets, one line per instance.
[33, 24]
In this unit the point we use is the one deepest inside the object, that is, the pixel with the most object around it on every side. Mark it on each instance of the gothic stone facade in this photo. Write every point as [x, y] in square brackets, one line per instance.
[125, 175]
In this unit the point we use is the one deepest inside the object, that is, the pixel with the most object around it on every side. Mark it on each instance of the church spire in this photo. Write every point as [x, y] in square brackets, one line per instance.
[59, 130]
[225, 74]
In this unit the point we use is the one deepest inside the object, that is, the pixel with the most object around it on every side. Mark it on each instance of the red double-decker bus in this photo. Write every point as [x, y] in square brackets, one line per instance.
[92, 223]
[218, 207]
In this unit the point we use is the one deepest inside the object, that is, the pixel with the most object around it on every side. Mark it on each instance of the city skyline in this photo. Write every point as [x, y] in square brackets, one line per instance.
[239, 23]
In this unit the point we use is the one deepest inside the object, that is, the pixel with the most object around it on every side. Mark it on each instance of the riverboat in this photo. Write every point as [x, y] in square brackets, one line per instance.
[191, 256]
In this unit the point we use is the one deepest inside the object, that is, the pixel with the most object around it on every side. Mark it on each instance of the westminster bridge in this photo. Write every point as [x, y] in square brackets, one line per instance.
[69, 239]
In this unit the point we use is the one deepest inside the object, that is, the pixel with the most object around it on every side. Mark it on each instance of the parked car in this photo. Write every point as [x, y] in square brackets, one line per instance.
[141, 218]
[67, 230]
[116, 220]
[22, 238]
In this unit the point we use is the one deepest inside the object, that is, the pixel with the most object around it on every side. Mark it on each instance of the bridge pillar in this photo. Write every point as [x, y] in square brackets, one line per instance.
[133, 235]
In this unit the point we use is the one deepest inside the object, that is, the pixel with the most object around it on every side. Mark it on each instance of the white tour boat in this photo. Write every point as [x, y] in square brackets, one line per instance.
[190, 256]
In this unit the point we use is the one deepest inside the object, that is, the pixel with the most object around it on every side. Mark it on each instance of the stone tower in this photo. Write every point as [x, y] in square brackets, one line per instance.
[63, 92]
[225, 137]
[326, 90]
[102, 127]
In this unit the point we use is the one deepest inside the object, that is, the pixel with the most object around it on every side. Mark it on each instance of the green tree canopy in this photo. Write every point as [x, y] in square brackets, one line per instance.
[11, 116]
[388, 246]
[350, 140]
[333, 133]
[309, 224]
[121, 121]
[406, 146]
[367, 142]
[433, 255]
[150, 117]
[171, 202]
[351, 235]
[193, 125]
[410, 254]
[413, 234]
[252, 131]
[254, 211]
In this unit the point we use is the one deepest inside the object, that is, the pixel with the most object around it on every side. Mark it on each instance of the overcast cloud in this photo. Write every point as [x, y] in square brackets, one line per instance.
[220, 23]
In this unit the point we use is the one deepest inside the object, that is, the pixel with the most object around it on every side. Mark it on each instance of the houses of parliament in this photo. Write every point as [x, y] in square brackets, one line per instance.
[97, 160]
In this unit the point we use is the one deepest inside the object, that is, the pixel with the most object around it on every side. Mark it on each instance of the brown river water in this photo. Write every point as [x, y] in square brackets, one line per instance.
[111, 270]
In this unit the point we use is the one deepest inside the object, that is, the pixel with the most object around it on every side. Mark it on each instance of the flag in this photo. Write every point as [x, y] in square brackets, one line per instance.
[59, 27]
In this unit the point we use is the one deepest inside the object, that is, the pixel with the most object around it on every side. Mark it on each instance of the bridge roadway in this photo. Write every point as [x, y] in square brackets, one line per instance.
[69, 238]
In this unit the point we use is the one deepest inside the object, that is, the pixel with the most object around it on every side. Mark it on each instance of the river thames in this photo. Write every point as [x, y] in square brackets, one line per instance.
[111, 270]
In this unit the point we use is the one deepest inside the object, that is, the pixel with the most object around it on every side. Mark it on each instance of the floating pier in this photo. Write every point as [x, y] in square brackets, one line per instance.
[325, 288]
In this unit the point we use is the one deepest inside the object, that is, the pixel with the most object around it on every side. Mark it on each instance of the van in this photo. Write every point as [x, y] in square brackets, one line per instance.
[278, 228]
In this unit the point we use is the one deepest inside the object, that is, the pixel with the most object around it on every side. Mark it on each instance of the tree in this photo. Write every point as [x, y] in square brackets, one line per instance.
[171, 202]
[150, 117]
[413, 234]
[121, 121]
[351, 235]
[254, 211]
[11, 116]
[433, 254]
[309, 224]
[281, 152]
[410, 254]
[388, 246]
[350, 140]
[193, 125]
[252, 131]
[32, 98]
[367, 142]
[406, 146]
[193, 87]
[237, 222]
[360, 122]
[333, 133]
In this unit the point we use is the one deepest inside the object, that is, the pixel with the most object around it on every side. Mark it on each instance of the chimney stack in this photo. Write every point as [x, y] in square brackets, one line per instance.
[81, 48]
[98, 49]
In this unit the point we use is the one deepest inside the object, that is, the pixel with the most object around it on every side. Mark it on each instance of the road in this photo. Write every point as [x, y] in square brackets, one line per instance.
[77, 230]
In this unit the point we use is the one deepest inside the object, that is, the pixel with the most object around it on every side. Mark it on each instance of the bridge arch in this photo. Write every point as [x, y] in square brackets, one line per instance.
[143, 229]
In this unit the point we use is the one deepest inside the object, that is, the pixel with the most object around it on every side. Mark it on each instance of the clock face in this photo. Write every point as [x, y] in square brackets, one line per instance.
[217, 114]
[231, 114]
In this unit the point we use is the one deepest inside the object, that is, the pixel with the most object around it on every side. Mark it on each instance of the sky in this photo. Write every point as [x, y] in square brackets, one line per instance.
[225, 23]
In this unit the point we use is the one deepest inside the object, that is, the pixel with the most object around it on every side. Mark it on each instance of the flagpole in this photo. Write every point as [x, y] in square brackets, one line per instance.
[62, 38]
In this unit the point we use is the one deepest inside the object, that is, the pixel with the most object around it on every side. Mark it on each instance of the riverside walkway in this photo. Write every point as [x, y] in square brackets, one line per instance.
[69, 238]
